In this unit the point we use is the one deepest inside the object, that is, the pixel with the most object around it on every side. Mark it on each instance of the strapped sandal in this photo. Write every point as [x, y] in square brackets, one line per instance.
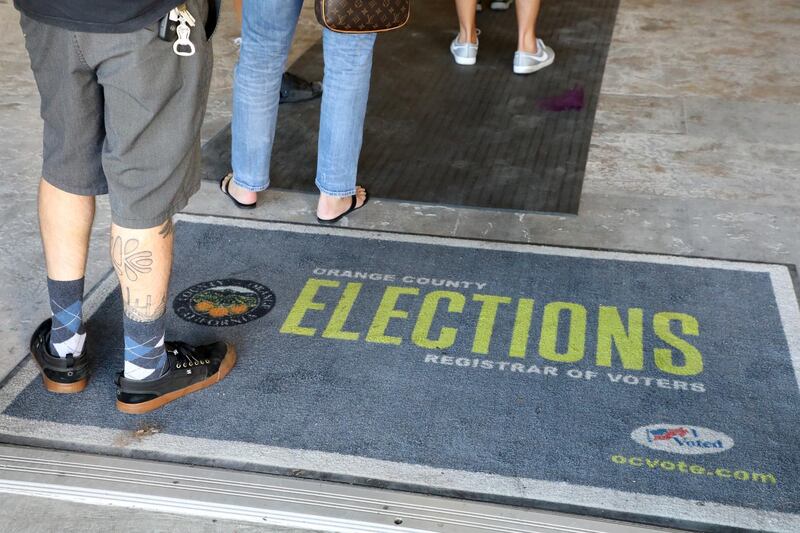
[224, 183]
[352, 208]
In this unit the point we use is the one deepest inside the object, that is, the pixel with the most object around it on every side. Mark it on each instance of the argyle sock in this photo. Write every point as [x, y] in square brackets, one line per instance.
[145, 356]
[67, 333]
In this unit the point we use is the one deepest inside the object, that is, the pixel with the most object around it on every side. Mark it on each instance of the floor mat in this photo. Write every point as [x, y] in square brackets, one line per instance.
[472, 136]
[653, 388]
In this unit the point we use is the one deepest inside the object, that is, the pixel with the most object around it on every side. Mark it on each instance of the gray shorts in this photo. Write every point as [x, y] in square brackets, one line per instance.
[122, 115]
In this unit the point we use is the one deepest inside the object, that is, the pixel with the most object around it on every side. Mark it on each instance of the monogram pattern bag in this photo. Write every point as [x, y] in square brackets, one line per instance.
[363, 16]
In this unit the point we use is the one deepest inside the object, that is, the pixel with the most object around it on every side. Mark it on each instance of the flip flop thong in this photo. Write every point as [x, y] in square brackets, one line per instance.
[352, 208]
[224, 183]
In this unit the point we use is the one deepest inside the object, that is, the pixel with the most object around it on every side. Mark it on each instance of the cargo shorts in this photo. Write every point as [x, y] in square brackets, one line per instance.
[122, 115]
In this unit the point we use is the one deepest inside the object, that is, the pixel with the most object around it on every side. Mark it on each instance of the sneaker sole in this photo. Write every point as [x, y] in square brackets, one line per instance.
[465, 60]
[145, 407]
[535, 68]
[64, 388]
[61, 388]
[500, 6]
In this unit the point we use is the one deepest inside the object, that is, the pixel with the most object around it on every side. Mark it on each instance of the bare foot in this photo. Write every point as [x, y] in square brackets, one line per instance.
[330, 207]
[241, 195]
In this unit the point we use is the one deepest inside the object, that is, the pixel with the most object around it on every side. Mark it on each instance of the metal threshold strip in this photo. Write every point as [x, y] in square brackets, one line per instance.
[267, 499]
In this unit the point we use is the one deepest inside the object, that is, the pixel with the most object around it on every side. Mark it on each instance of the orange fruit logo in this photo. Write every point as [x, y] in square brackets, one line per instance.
[224, 302]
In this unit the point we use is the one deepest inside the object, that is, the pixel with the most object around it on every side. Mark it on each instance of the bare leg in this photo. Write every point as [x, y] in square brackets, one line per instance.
[65, 221]
[527, 13]
[237, 6]
[143, 261]
[466, 21]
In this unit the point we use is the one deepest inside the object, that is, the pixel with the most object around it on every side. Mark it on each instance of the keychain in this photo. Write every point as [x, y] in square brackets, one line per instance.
[183, 46]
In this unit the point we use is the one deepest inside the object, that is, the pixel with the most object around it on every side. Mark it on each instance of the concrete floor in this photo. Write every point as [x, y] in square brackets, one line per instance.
[696, 151]
[22, 514]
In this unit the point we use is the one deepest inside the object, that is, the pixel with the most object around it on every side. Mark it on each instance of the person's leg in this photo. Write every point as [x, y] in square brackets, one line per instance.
[142, 259]
[293, 88]
[71, 108]
[467, 31]
[151, 158]
[65, 222]
[267, 31]
[237, 7]
[532, 54]
[348, 68]
[527, 13]
[464, 47]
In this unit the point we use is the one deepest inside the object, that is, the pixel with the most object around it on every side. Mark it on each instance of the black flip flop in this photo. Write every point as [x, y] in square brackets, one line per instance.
[224, 183]
[352, 208]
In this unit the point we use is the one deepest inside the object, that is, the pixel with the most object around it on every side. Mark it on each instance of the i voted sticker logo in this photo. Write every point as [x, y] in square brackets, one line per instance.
[683, 439]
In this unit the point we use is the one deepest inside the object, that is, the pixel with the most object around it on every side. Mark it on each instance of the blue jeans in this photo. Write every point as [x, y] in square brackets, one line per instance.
[267, 30]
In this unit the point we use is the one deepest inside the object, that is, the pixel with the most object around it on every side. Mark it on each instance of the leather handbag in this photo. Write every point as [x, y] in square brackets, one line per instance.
[363, 16]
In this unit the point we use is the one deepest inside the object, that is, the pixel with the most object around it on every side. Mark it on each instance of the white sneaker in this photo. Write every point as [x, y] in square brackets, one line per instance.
[525, 63]
[501, 5]
[464, 53]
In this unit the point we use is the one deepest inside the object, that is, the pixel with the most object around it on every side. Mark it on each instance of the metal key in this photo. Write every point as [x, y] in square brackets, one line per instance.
[184, 11]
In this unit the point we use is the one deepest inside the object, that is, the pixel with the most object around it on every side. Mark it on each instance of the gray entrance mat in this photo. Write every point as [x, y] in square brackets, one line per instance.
[652, 388]
[472, 136]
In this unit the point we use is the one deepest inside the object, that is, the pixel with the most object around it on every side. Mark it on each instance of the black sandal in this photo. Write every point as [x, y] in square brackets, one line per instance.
[352, 208]
[224, 183]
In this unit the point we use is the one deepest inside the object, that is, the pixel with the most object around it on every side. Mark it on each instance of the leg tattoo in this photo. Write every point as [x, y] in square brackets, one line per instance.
[143, 311]
[167, 229]
[129, 260]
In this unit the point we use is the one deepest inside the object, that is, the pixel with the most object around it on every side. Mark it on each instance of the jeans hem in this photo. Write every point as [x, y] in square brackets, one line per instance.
[335, 194]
